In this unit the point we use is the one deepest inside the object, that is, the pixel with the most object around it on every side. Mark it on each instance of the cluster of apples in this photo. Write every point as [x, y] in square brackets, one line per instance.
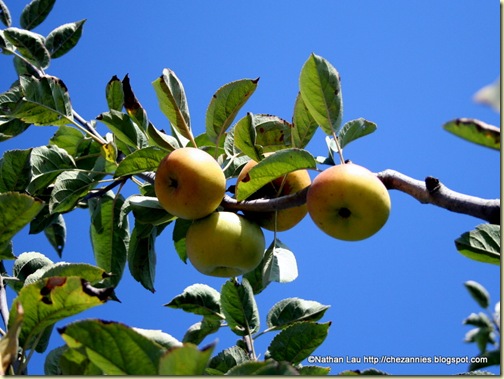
[346, 201]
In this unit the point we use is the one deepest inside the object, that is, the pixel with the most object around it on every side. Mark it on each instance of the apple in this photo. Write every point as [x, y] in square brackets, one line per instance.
[189, 183]
[285, 185]
[348, 202]
[224, 244]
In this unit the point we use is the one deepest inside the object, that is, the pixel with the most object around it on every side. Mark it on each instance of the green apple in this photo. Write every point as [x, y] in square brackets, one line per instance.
[285, 185]
[189, 183]
[224, 244]
[348, 202]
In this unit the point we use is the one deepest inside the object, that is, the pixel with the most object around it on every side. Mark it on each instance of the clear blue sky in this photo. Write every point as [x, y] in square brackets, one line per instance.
[408, 66]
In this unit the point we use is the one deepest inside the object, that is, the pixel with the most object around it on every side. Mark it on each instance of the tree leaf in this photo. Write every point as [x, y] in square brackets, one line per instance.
[282, 266]
[47, 162]
[179, 237]
[11, 127]
[158, 138]
[200, 330]
[35, 13]
[185, 360]
[481, 244]
[199, 299]
[46, 102]
[90, 273]
[133, 106]
[164, 339]
[30, 45]
[272, 133]
[17, 210]
[53, 299]
[298, 341]
[245, 137]
[355, 129]
[15, 170]
[490, 95]
[113, 347]
[478, 319]
[64, 38]
[314, 370]
[239, 307]
[114, 94]
[27, 264]
[147, 210]
[75, 362]
[146, 159]
[56, 234]
[173, 102]
[225, 105]
[319, 84]
[475, 131]
[291, 310]
[124, 129]
[109, 234]
[142, 255]
[228, 359]
[269, 367]
[5, 16]
[272, 167]
[9, 342]
[478, 293]
[303, 124]
[69, 188]
[68, 139]
[493, 358]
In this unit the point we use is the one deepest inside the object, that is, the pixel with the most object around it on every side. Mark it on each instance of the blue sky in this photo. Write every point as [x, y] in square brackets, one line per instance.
[408, 66]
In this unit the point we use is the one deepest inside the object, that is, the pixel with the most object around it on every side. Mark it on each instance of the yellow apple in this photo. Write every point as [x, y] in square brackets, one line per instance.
[189, 183]
[348, 202]
[288, 184]
[224, 244]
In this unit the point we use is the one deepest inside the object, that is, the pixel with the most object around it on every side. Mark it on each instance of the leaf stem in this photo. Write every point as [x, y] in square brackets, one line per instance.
[340, 152]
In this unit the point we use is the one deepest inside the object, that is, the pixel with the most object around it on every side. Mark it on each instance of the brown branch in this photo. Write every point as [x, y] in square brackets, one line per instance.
[430, 191]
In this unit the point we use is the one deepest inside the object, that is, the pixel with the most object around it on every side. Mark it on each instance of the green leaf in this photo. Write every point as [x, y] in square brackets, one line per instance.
[9, 342]
[199, 299]
[15, 170]
[46, 102]
[298, 341]
[27, 264]
[164, 339]
[91, 274]
[475, 131]
[269, 367]
[35, 13]
[225, 105]
[75, 362]
[47, 162]
[142, 255]
[124, 128]
[272, 167]
[69, 188]
[492, 359]
[179, 237]
[147, 210]
[272, 133]
[109, 234]
[291, 310]
[355, 129]
[5, 16]
[161, 139]
[481, 244]
[200, 330]
[185, 360]
[239, 307]
[320, 89]
[146, 159]
[50, 300]
[173, 102]
[113, 347]
[10, 128]
[30, 45]
[133, 106]
[114, 94]
[478, 319]
[478, 293]
[68, 139]
[314, 370]
[56, 234]
[245, 137]
[303, 124]
[64, 38]
[228, 359]
[17, 210]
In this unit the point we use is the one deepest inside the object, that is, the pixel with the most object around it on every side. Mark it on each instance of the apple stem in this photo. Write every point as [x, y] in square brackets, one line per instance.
[340, 151]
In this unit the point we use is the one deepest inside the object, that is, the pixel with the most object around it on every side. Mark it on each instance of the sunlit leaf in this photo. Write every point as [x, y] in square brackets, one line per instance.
[320, 88]
[272, 167]
[475, 131]
[146, 159]
[355, 129]
[292, 310]
[69, 188]
[481, 244]
[179, 237]
[147, 210]
[15, 171]
[296, 342]
[303, 124]
[114, 94]
[64, 38]
[185, 360]
[245, 137]
[225, 104]
[478, 293]
[67, 138]
[17, 210]
[142, 255]
[53, 299]
[56, 234]
[90, 273]
[11, 127]
[133, 106]
[272, 133]
[35, 13]
[5, 16]
[228, 359]
[160, 139]
[113, 347]
[239, 307]
[200, 330]
[109, 234]
[199, 299]
[124, 128]
[30, 45]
